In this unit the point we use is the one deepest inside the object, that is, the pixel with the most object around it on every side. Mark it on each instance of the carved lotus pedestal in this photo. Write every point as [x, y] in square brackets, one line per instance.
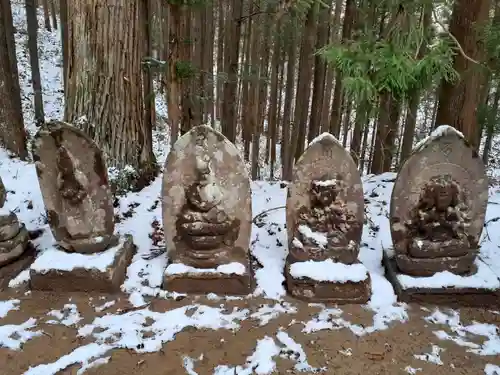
[438, 206]
[206, 216]
[87, 256]
[16, 251]
[325, 215]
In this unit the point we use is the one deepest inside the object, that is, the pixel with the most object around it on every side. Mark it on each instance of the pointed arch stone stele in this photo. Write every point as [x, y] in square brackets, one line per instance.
[437, 214]
[73, 179]
[325, 216]
[443, 162]
[207, 214]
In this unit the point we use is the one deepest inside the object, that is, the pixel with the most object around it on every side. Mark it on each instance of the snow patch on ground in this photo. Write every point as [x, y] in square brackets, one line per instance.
[433, 357]
[7, 306]
[13, 336]
[68, 315]
[462, 334]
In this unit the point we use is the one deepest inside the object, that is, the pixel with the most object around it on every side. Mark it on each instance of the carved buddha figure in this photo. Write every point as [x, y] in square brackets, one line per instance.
[73, 186]
[324, 230]
[439, 221]
[205, 233]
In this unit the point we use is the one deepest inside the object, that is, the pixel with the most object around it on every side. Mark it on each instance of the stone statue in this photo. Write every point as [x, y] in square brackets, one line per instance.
[438, 206]
[203, 226]
[329, 216]
[14, 237]
[206, 214]
[73, 179]
[75, 189]
[325, 215]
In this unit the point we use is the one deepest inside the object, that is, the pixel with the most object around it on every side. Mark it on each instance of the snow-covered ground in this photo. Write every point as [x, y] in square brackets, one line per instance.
[144, 330]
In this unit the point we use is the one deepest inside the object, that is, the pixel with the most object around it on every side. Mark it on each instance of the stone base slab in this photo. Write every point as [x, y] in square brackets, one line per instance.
[446, 296]
[327, 291]
[205, 283]
[11, 270]
[82, 279]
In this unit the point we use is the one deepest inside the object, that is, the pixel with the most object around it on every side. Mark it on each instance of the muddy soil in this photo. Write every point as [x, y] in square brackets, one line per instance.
[388, 351]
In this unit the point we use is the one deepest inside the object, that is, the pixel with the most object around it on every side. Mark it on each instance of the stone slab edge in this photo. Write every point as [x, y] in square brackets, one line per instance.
[301, 284]
[11, 270]
[446, 296]
[213, 282]
[88, 280]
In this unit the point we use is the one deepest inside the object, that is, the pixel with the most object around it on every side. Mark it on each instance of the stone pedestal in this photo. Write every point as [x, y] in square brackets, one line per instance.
[11, 270]
[479, 288]
[57, 270]
[229, 279]
[328, 281]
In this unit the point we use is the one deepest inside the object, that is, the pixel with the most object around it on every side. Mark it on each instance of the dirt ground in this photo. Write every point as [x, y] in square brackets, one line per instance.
[383, 352]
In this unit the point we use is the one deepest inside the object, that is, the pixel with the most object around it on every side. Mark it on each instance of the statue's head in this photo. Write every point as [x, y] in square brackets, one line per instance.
[324, 191]
[439, 193]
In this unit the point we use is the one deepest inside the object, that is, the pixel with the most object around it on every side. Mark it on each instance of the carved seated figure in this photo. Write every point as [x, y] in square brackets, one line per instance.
[205, 233]
[324, 230]
[438, 224]
[73, 187]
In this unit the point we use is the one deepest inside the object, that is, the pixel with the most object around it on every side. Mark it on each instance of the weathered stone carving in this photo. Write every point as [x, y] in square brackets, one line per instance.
[438, 206]
[325, 214]
[206, 214]
[14, 237]
[73, 179]
[74, 183]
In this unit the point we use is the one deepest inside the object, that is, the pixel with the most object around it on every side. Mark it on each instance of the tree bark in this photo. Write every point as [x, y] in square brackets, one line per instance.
[458, 102]
[32, 26]
[12, 133]
[319, 75]
[303, 86]
[105, 93]
[46, 14]
[53, 13]
[232, 49]
[286, 159]
[411, 114]
[336, 111]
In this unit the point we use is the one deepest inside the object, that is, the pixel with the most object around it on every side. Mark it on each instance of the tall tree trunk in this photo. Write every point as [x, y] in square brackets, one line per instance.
[303, 86]
[220, 57]
[273, 101]
[411, 113]
[386, 132]
[245, 84]
[105, 80]
[232, 50]
[32, 26]
[254, 90]
[286, 148]
[490, 131]
[12, 133]
[319, 75]
[46, 14]
[149, 94]
[63, 9]
[336, 111]
[53, 12]
[360, 123]
[330, 71]
[458, 102]
[174, 86]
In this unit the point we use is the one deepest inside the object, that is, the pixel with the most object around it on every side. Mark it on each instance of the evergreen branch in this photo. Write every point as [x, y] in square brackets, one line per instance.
[446, 30]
